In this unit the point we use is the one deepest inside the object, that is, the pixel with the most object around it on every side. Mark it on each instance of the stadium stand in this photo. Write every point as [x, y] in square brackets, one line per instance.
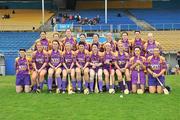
[113, 19]
[10, 44]
[23, 19]
[161, 19]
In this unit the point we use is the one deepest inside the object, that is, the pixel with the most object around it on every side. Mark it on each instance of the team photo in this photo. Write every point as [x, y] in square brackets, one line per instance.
[89, 59]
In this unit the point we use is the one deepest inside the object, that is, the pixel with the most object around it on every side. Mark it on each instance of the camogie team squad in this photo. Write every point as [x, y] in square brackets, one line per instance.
[92, 67]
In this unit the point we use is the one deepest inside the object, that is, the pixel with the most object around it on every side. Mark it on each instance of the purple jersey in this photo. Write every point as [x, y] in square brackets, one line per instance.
[81, 58]
[126, 45]
[135, 60]
[86, 46]
[139, 43]
[122, 59]
[108, 57]
[150, 48]
[71, 41]
[156, 64]
[68, 58]
[39, 59]
[22, 65]
[55, 58]
[95, 58]
[45, 44]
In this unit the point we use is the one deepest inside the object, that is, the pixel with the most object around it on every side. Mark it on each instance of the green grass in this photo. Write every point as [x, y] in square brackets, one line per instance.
[88, 107]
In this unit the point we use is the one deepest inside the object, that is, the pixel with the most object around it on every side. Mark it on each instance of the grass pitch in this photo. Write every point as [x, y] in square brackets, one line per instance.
[104, 106]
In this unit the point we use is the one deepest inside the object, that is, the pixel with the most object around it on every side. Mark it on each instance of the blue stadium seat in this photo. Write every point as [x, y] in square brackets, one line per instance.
[158, 17]
[11, 42]
[112, 19]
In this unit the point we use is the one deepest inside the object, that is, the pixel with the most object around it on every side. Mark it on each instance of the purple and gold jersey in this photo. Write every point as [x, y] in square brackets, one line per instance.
[72, 41]
[95, 58]
[108, 57]
[68, 58]
[135, 59]
[55, 58]
[138, 43]
[22, 65]
[86, 46]
[122, 59]
[82, 58]
[39, 58]
[126, 45]
[45, 44]
[156, 64]
[150, 48]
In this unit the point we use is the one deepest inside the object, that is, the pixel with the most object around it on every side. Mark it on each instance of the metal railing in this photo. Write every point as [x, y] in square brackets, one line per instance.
[26, 27]
[98, 27]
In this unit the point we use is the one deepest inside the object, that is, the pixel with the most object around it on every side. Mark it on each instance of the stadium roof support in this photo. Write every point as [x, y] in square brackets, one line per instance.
[105, 11]
[43, 12]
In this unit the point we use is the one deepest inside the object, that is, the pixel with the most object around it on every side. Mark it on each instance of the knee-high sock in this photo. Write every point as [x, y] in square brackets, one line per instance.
[74, 84]
[91, 86]
[121, 86]
[129, 84]
[50, 83]
[59, 83]
[35, 87]
[64, 84]
[107, 86]
[86, 84]
[100, 83]
[41, 84]
[79, 84]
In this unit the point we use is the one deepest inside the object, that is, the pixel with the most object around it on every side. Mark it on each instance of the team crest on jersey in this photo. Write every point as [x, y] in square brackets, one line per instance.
[121, 62]
[22, 67]
[55, 60]
[40, 60]
[155, 66]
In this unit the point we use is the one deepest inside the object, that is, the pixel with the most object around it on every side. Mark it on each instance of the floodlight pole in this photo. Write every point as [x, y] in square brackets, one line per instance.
[105, 11]
[43, 12]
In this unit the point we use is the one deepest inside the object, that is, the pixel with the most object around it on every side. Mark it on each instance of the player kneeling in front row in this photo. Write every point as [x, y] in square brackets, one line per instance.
[55, 62]
[121, 65]
[82, 61]
[23, 80]
[137, 67]
[156, 69]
